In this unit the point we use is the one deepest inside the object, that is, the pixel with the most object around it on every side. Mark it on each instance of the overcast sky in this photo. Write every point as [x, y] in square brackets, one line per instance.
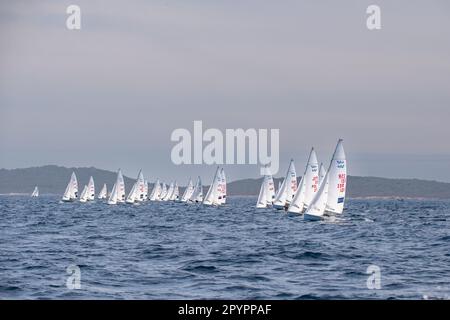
[110, 94]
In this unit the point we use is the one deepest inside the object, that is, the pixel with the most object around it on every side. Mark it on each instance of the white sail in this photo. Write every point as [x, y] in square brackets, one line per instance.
[188, 191]
[267, 191]
[120, 185]
[331, 194]
[169, 192]
[131, 198]
[270, 193]
[176, 193]
[103, 193]
[287, 189]
[197, 195]
[308, 186]
[322, 173]
[113, 196]
[163, 193]
[156, 191]
[35, 193]
[84, 194]
[337, 180]
[91, 189]
[140, 187]
[145, 190]
[262, 197]
[71, 192]
[118, 193]
[222, 187]
[212, 196]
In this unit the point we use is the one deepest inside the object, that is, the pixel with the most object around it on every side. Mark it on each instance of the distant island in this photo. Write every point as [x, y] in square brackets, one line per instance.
[53, 179]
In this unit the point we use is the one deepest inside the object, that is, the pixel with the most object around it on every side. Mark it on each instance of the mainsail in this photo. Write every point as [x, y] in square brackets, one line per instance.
[163, 193]
[131, 198]
[91, 189]
[103, 193]
[287, 189]
[222, 187]
[118, 192]
[262, 197]
[84, 194]
[120, 185]
[176, 193]
[308, 186]
[331, 194]
[71, 192]
[113, 196]
[197, 195]
[35, 193]
[145, 190]
[212, 196]
[156, 191]
[140, 187]
[169, 192]
[267, 191]
[188, 191]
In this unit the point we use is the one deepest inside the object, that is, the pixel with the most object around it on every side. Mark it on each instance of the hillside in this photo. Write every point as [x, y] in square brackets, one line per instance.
[53, 180]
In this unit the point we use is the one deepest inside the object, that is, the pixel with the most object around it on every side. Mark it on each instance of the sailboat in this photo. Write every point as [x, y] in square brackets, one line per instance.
[91, 189]
[120, 185]
[156, 191]
[222, 188]
[331, 195]
[176, 193]
[84, 194]
[113, 195]
[188, 191]
[35, 193]
[145, 190]
[103, 193]
[118, 192]
[197, 195]
[267, 191]
[169, 192]
[71, 192]
[287, 190]
[308, 186]
[163, 193]
[212, 196]
[140, 187]
[131, 198]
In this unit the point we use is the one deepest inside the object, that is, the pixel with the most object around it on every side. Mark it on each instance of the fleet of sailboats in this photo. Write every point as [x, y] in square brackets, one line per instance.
[330, 197]
[320, 192]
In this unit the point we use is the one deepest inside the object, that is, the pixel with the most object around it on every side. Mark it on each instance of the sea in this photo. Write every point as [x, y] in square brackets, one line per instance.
[377, 249]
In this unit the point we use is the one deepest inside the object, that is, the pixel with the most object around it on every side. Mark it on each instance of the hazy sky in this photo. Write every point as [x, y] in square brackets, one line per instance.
[110, 94]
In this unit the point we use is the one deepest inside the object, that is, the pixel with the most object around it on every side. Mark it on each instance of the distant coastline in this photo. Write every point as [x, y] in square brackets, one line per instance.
[53, 179]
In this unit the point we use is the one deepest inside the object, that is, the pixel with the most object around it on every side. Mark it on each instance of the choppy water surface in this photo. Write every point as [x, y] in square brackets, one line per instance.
[177, 251]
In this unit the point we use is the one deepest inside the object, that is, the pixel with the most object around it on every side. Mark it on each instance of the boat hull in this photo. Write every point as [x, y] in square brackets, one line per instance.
[312, 217]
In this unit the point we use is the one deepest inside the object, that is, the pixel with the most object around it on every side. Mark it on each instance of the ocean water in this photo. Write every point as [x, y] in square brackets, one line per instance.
[178, 251]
